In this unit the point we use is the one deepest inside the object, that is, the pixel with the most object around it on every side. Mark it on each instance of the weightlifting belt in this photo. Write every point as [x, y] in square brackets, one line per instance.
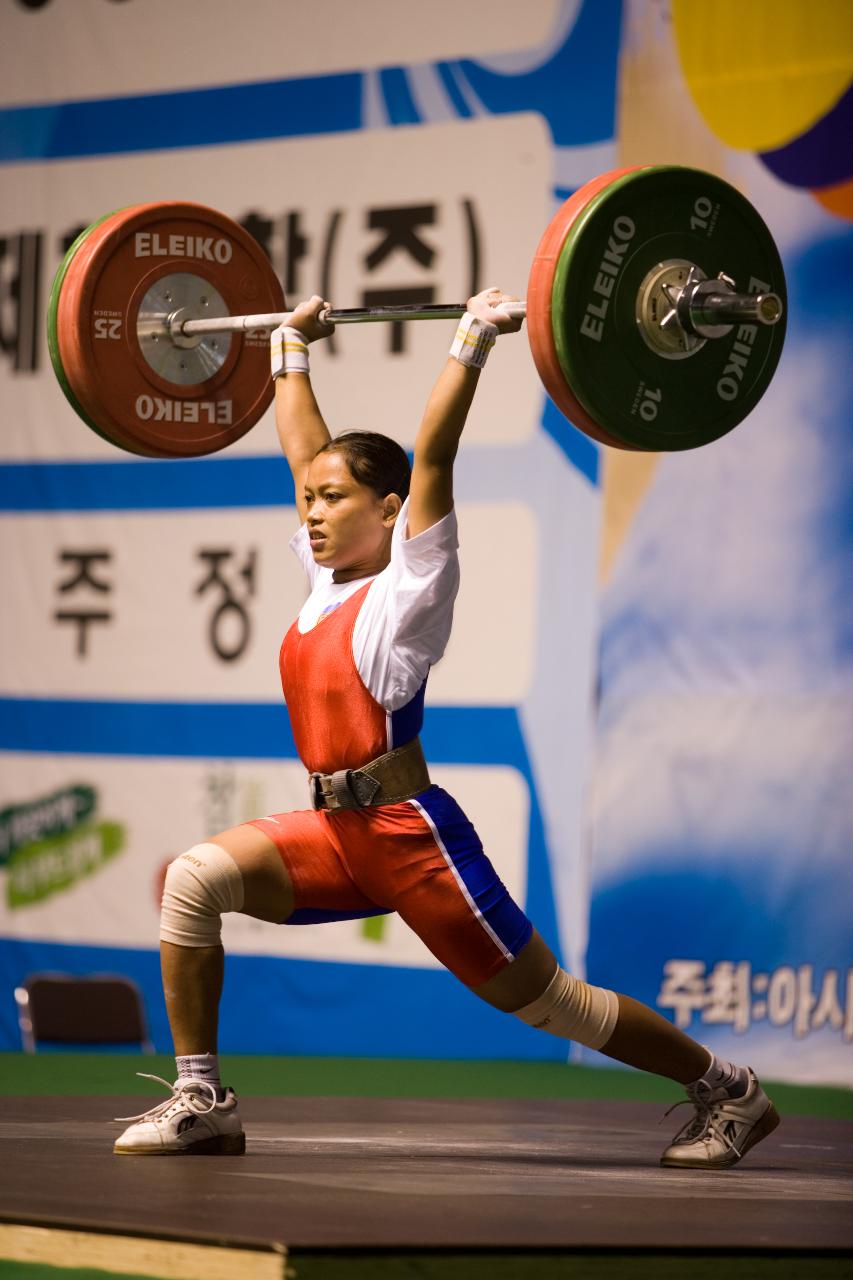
[396, 776]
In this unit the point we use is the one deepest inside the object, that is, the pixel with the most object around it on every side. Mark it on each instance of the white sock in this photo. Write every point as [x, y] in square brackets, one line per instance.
[200, 1066]
[725, 1075]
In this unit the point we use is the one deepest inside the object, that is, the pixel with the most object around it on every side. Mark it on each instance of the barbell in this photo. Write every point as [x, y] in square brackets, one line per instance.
[655, 312]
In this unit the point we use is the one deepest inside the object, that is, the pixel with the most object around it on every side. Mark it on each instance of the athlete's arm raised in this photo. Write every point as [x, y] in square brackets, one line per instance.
[298, 420]
[431, 494]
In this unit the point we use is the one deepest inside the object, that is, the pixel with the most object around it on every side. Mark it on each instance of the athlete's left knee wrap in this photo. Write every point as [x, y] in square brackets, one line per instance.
[201, 884]
[573, 1010]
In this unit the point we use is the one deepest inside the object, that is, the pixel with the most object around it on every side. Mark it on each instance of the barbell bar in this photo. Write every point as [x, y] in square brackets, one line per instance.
[636, 324]
[722, 308]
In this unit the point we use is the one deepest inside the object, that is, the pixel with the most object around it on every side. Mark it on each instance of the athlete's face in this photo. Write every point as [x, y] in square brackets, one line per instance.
[348, 525]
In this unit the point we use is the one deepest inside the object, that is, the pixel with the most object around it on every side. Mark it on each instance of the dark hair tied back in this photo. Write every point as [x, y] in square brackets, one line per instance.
[374, 460]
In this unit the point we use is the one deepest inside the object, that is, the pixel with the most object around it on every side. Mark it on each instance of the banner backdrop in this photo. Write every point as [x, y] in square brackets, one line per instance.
[696, 815]
[722, 807]
[414, 160]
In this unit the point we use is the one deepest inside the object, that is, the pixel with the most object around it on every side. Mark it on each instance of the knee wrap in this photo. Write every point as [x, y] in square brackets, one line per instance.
[573, 1010]
[200, 885]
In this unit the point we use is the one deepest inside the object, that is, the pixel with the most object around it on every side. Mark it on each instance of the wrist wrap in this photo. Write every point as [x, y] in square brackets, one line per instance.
[288, 351]
[474, 340]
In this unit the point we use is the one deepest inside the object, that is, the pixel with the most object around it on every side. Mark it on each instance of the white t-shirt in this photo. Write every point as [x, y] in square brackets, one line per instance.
[404, 624]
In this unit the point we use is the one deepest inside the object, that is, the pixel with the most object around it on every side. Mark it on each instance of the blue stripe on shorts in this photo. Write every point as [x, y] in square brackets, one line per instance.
[317, 915]
[464, 849]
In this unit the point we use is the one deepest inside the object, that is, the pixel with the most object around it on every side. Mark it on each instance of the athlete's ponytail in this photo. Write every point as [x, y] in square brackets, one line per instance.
[374, 460]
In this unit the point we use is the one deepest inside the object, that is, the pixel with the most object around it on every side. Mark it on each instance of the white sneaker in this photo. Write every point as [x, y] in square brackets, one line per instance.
[723, 1128]
[192, 1122]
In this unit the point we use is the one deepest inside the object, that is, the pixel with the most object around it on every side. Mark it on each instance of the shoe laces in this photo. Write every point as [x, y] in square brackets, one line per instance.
[702, 1126]
[188, 1093]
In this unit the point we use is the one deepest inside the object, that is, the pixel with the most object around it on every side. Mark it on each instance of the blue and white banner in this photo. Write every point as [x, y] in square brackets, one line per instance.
[646, 706]
[722, 806]
[141, 710]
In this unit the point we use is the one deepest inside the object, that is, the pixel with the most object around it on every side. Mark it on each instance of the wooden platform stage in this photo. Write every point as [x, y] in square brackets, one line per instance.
[379, 1173]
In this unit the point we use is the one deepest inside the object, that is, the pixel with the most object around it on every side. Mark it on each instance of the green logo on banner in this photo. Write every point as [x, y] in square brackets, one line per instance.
[47, 845]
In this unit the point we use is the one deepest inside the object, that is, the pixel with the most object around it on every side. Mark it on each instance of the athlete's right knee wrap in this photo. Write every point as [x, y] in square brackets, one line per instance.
[573, 1010]
[200, 885]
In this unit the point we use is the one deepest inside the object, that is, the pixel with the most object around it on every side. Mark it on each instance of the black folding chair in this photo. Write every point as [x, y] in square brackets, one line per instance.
[98, 1009]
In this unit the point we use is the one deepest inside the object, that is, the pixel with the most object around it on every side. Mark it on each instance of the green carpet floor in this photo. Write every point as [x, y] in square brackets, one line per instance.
[509, 1265]
[92, 1074]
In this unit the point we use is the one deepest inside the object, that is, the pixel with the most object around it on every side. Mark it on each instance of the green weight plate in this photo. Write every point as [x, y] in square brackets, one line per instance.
[53, 335]
[639, 396]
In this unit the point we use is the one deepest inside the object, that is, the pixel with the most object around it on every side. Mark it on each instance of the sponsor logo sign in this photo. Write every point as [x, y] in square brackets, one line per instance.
[50, 843]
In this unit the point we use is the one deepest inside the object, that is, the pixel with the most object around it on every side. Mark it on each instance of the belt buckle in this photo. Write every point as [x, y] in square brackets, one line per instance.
[318, 798]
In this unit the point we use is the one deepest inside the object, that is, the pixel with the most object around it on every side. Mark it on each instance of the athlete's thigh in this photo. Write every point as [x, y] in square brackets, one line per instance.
[321, 886]
[450, 895]
[524, 980]
[268, 892]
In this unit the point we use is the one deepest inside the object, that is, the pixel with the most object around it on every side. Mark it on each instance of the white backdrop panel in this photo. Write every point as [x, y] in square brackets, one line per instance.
[157, 44]
[194, 605]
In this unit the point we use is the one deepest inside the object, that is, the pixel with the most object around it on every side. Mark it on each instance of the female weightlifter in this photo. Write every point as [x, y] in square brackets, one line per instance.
[378, 544]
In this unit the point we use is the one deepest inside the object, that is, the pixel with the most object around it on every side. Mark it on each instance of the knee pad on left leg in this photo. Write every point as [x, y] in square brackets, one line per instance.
[201, 884]
[573, 1010]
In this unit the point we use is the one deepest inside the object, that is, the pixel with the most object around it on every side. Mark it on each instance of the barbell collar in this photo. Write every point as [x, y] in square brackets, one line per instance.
[181, 328]
[735, 308]
[708, 308]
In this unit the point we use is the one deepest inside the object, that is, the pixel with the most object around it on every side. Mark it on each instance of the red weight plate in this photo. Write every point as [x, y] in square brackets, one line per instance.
[539, 301]
[120, 266]
[73, 355]
[58, 347]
